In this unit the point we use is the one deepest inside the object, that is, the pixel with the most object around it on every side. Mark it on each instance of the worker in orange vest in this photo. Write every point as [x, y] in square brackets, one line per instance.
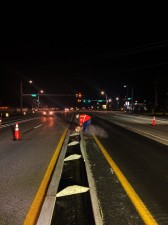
[84, 121]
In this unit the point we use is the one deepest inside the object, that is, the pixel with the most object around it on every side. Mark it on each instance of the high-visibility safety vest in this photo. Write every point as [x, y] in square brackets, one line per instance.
[83, 118]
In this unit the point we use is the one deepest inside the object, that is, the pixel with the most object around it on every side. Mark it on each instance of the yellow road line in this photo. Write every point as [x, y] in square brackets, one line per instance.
[137, 202]
[34, 211]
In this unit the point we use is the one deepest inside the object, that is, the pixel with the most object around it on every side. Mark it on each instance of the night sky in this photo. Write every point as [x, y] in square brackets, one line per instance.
[86, 65]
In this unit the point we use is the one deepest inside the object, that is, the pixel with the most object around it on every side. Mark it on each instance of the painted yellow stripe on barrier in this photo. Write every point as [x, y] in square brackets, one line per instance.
[34, 211]
[139, 205]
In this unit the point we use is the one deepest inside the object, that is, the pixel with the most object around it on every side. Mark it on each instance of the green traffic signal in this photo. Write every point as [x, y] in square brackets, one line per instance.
[33, 95]
[86, 100]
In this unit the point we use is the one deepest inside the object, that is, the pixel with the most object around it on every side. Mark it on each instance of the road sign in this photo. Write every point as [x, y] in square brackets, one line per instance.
[33, 95]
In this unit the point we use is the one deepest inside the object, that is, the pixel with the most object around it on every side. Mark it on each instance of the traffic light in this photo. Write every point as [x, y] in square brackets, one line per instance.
[78, 95]
[33, 95]
[100, 100]
[86, 100]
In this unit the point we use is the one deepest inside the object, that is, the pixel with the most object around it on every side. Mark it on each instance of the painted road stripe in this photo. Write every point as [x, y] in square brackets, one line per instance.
[32, 129]
[137, 202]
[7, 124]
[38, 126]
[34, 211]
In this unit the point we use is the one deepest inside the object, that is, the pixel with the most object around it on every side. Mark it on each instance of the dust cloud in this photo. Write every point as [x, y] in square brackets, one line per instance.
[98, 131]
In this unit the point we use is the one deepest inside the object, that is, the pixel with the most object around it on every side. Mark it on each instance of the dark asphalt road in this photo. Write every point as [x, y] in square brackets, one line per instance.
[143, 162]
[23, 165]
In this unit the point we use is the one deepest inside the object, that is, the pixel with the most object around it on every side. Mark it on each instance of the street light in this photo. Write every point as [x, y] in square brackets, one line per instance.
[126, 86]
[117, 99]
[109, 104]
[102, 92]
[38, 103]
[21, 94]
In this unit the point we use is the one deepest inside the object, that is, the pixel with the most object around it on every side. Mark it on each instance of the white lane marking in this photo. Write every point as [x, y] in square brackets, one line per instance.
[19, 121]
[38, 126]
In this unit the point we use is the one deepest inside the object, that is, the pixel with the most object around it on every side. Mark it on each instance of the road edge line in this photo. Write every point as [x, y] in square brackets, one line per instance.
[137, 202]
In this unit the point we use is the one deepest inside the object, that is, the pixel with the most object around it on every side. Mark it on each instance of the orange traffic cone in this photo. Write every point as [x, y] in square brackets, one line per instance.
[16, 132]
[154, 121]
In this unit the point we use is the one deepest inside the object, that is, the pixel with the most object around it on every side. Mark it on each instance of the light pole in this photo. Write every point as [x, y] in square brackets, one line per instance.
[109, 104]
[117, 99]
[102, 92]
[21, 94]
[38, 99]
[126, 86]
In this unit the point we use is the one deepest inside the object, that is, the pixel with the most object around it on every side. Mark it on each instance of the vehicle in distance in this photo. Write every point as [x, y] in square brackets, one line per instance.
[66, 110]
[48, 113]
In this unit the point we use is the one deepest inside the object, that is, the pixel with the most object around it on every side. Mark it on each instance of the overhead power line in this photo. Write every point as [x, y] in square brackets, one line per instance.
[123, 52]
[137, 49]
